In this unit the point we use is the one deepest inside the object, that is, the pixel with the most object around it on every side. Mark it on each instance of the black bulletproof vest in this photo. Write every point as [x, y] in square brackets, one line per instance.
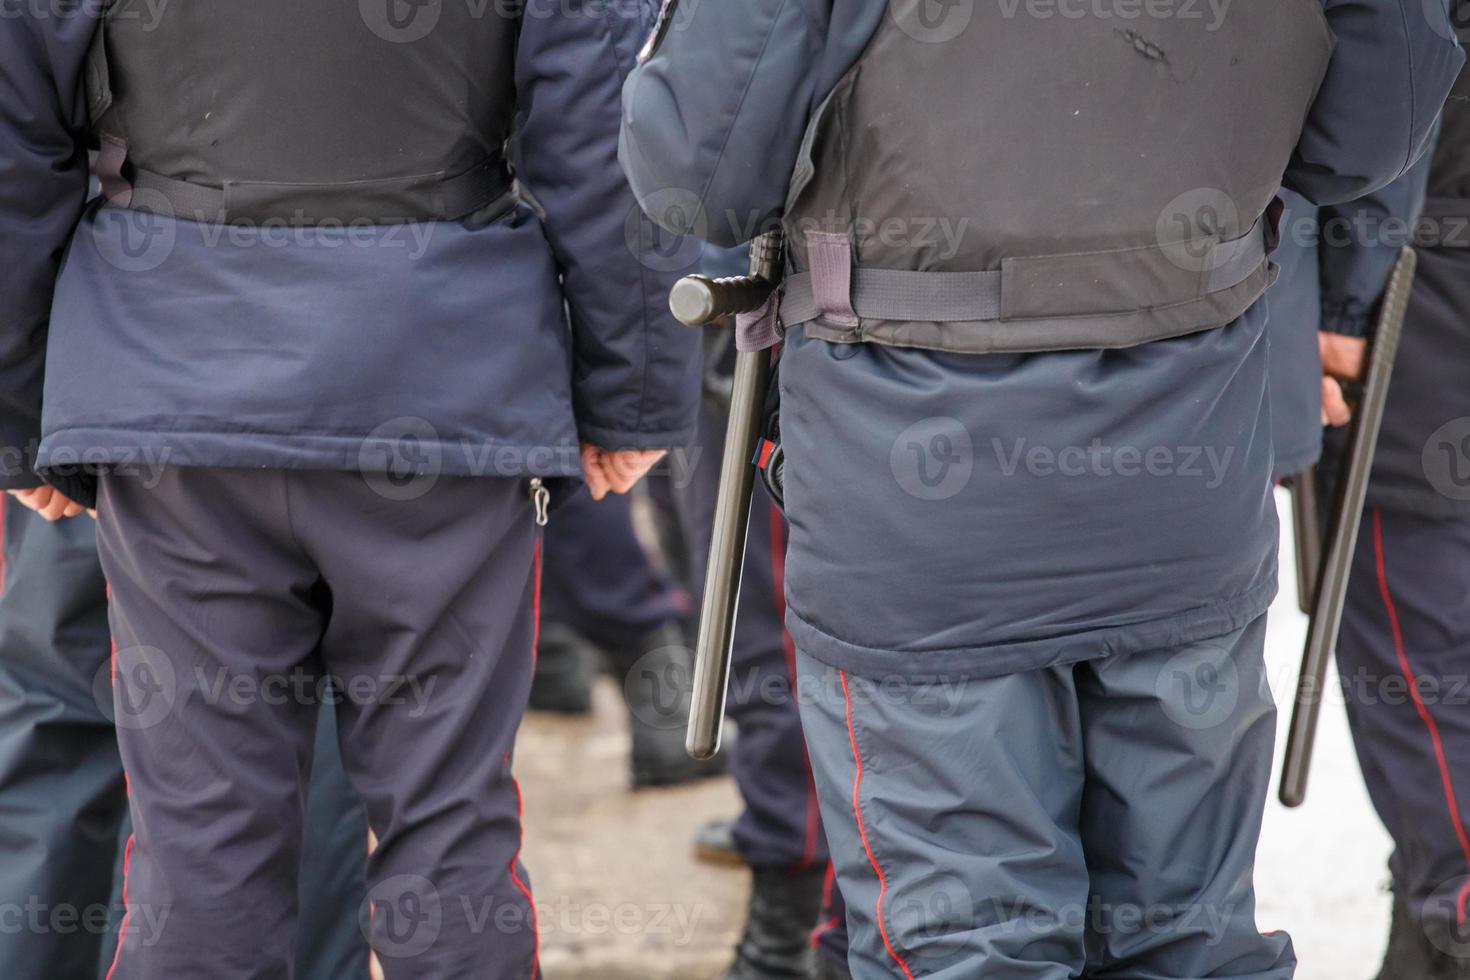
[305, 111]
[1011, 175]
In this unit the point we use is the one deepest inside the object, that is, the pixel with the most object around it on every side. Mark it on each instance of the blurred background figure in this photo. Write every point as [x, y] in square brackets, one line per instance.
[1403, 656]
[1404, 651]
[604, 600]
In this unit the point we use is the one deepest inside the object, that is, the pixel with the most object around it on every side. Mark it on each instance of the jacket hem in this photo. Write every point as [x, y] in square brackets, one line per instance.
[68, 450]
[995, 660]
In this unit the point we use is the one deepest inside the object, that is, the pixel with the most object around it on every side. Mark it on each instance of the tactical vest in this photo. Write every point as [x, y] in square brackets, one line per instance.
[1025, 175]
[1446, 218]
[305, 113]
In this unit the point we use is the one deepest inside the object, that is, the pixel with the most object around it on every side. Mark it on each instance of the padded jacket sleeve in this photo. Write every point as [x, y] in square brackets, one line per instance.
[43, 185]
[1375, 113]
[636, 380]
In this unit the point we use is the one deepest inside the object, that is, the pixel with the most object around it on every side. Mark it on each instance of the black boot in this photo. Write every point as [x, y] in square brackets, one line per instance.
[657, 673]
[777, 943]
[1410, 954]
[562, 681]
[714, 843]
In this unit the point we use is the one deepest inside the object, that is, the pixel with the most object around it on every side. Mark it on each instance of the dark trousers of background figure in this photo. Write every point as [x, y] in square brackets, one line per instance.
[1404, 659]
[780, 826]
[598, 578]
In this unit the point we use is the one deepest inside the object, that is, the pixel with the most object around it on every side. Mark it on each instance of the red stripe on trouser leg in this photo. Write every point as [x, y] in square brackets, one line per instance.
[515, 875]
[1423, 710]
[857, 812]
[525, 889]
[122, 929]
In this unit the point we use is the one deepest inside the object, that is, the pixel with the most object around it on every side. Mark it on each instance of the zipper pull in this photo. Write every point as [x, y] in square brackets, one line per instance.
[541, 500]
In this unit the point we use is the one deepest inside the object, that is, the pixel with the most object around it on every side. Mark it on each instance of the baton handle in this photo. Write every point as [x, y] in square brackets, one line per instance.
[697, 301]
[1342, 535]
[732, 503]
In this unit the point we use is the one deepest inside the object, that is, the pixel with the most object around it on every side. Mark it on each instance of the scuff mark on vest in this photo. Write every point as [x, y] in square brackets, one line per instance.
[1143, 45]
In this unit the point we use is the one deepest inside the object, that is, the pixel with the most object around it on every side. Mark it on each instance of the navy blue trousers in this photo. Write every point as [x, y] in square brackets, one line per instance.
[63, 805]
[62, 799]
[780, 825]
[1097, 819]
[1404, 659]
[599, 580]
[245, 600]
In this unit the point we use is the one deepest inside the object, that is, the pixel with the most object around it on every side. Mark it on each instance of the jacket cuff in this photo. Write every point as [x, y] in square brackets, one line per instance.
[18, 441]
[78, 484]
[606, 437]
[1349, 317]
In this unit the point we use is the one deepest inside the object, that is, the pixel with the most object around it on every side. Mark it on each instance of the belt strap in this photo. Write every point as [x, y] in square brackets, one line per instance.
[950, 297]
[427, 197]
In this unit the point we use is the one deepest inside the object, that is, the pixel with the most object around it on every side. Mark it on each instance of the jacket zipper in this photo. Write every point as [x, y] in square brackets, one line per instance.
[540, 500]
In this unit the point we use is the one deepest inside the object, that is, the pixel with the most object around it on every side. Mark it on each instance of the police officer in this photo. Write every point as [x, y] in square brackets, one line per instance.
[1028, 459]
[1404, 651]
[63, 805]
[317, 348]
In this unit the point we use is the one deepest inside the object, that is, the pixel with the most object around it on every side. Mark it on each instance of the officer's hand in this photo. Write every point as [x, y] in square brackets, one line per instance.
[616, 469]
[49, 502]
[1342, 359]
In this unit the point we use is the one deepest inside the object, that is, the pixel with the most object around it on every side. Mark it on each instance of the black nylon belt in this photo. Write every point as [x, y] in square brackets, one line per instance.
[955, 297]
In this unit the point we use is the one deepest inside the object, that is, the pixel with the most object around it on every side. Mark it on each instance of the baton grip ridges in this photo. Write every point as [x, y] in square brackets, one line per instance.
[698, 301]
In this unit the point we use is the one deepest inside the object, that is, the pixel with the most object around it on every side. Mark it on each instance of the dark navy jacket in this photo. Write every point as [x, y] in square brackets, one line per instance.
[472, 350]
[984, 514]
[1335, 262]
